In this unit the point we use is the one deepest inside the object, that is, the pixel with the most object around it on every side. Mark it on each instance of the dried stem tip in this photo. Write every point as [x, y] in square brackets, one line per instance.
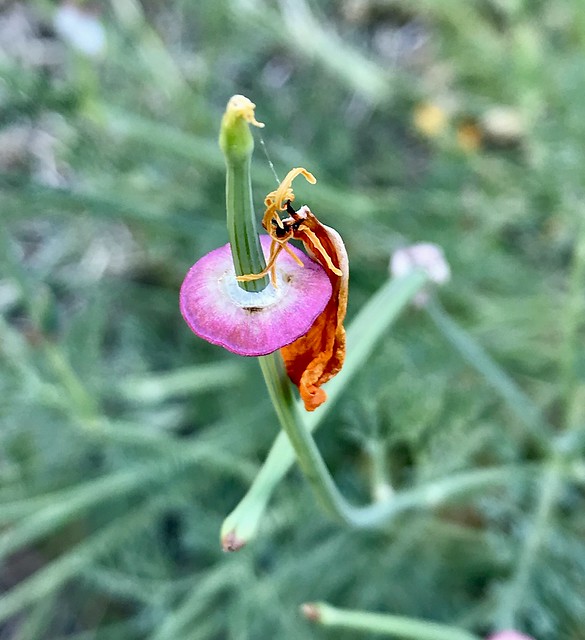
[230, 542]
[311, 611]
[235, 138]
[240, 107]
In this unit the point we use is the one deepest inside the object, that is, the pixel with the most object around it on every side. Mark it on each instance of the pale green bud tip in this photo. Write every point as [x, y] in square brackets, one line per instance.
[235, 138]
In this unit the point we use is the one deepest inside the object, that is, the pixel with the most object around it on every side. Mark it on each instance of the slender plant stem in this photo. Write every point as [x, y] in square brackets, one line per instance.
[574, 314]
[385, 624]
[552, 480]
[241, 221]
[516, 400]
[308, 456]
[237, 144]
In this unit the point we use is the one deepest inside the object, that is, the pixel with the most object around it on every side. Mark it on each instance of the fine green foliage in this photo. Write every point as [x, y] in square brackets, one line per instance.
[126, 440]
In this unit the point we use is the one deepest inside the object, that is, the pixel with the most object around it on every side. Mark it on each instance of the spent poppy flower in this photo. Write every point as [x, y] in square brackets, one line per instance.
[227, 297]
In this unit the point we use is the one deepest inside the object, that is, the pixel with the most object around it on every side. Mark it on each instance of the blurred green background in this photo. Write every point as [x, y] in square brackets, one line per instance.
[126, 440]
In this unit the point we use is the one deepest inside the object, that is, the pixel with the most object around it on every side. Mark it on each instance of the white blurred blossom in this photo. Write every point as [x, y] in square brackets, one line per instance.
[81, 29]
[426, 256]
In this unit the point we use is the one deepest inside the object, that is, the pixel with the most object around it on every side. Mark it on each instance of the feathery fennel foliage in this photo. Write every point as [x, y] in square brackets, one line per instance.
[125, 441]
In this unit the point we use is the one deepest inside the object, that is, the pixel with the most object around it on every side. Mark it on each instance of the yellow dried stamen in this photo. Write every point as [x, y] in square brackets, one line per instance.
[241, 107]
[275, 249]
[293, 255]
[284, 191]
[321, 249]
[276, 200]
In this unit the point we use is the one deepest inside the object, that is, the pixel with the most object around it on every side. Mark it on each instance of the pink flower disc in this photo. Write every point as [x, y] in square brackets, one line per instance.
[218, 310]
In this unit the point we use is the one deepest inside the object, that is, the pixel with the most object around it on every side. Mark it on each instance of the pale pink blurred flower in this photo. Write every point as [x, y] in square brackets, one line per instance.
[426, 256]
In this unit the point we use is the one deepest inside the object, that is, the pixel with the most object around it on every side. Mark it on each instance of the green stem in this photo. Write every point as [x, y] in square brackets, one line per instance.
[308, 456]
[398, 626]
[237, 144]
[572, 390]
[247, 254]
[552, 482]
[380, 487]
[516, 400]
[550, 489]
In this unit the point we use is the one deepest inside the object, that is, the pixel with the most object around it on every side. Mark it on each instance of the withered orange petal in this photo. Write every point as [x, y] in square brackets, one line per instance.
[316, 357]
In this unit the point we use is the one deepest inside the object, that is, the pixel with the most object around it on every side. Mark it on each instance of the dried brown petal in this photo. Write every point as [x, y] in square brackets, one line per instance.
[316, 357]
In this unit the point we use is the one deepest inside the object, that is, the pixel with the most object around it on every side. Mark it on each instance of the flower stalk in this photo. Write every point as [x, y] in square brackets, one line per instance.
[516, 400]
[551, 482]
[384, 624]
[237, 144]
